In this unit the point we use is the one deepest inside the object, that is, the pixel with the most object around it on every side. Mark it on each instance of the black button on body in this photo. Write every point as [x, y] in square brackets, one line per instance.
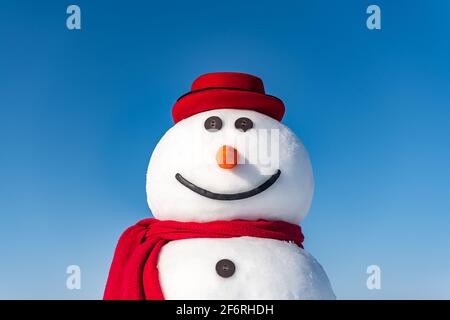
[225, 268]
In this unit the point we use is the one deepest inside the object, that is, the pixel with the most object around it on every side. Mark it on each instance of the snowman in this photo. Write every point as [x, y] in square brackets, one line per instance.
[228, 186]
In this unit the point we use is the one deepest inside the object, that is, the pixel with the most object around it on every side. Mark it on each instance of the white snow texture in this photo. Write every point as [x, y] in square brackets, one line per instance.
[188, 149]
[265, 268]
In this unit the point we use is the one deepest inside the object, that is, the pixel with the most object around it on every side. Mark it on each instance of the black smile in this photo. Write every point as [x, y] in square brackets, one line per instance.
[228, 196]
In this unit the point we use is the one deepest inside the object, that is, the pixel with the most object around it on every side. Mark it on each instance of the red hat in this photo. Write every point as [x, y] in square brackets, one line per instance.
[227, 90]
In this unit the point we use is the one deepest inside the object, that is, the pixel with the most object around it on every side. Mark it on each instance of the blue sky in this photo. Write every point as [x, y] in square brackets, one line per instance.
[81, 111]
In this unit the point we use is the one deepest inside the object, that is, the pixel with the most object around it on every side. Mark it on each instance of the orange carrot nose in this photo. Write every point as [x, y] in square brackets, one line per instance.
[227, 157]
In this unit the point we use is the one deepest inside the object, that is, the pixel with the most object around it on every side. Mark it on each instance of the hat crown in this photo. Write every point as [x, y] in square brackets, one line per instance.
[227, 90]
[229, 80]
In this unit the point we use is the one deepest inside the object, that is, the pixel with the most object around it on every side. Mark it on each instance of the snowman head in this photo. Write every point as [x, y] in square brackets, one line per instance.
[229, 157]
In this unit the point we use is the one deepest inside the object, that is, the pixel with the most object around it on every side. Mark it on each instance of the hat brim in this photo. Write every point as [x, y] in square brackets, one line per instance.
[196, 102]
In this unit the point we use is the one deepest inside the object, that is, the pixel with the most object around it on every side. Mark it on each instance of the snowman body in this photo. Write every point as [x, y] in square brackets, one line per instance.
[264, 269]
[225, 164]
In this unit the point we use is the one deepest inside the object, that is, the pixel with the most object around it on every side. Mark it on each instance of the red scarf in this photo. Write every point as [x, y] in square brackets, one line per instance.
[134, 273]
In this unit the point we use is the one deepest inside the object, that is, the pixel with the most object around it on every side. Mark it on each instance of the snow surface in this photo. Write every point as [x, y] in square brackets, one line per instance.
[187, 148]
[265, 269]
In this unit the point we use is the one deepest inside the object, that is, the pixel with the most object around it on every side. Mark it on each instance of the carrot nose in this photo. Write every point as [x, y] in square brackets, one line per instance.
[227, 157]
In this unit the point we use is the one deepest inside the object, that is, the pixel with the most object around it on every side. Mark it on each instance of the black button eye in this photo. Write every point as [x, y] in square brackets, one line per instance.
[213, 124]
[243, 124]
